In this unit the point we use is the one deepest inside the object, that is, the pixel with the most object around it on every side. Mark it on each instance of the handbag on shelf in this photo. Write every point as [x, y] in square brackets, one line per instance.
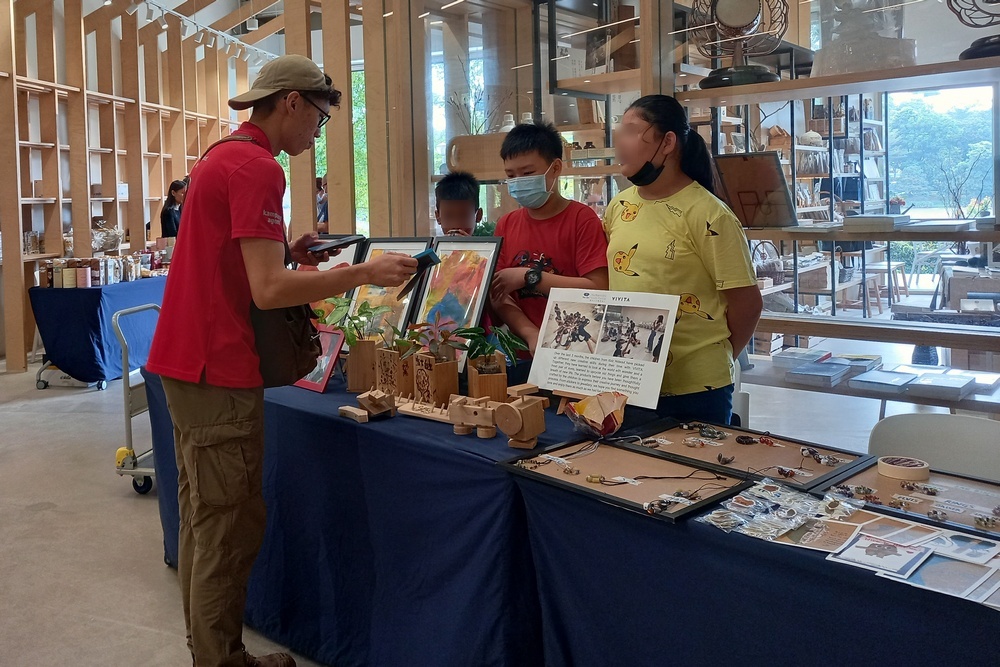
[287, 342]
[767, 265]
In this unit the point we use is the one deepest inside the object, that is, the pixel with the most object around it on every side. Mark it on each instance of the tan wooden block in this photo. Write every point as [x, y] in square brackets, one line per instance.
[351, 412]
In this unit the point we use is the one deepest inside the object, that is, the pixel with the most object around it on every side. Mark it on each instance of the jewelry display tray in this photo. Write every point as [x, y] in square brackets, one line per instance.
[983, 494]
[748, 458]
[611, 460]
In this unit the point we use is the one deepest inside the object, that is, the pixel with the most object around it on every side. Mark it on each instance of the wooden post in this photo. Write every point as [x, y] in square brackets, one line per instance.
[379, 207]
[340, 129]
[173, 87]
[48, 111]
[76, 125]
[15, 306]
[656, 47]
[298, 39]
[137, 176]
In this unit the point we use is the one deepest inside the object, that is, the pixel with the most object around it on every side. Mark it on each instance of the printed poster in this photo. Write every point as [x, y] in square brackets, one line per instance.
[594, 341]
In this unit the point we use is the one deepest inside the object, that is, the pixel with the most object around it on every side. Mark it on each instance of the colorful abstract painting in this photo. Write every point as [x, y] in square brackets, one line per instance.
[457, 288]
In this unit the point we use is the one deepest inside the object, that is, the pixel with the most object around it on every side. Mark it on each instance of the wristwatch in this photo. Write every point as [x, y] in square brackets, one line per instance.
[532, 277]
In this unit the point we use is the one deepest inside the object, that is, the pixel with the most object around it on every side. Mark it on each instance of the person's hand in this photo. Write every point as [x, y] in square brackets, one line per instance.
[301, 254]
[458, 231]
[506, 281]
[391, 269]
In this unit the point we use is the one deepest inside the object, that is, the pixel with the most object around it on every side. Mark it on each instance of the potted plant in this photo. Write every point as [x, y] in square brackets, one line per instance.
[435, 369]
[896, 205]
[360, 331]
[487, 365]
[393, 366]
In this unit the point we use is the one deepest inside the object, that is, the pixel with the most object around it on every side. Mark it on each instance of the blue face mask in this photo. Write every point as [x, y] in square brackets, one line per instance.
[530, 191]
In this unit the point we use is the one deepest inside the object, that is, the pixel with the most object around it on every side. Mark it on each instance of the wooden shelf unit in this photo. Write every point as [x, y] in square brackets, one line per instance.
[79, 126]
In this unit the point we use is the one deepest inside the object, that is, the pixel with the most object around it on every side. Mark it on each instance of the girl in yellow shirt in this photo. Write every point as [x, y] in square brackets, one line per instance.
[669, 234]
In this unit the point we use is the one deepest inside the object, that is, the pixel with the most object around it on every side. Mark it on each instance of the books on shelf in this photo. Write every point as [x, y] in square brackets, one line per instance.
[985, 383]
[941, 226]
[797, 356]
[806, 225]
[857, 363]
[942, 386]
[882, 382]
[919, 369]
[822, 374]
[875, 223]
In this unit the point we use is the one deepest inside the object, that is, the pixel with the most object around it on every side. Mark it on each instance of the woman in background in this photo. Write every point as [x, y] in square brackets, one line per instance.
[170, 215]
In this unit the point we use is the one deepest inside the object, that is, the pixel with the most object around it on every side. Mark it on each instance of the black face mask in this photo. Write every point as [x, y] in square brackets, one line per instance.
[648, 173]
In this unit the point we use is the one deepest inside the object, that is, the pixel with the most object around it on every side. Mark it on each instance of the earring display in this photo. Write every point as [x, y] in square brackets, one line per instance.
[632, 477]
[963, 502]
[747, 454]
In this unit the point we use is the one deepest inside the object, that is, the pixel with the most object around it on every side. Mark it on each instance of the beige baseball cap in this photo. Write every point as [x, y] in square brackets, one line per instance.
[291, 72]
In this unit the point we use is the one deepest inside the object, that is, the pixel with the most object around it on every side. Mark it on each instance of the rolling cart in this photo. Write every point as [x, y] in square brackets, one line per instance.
[127, 462]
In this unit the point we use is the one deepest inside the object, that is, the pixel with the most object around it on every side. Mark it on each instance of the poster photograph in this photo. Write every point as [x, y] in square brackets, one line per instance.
[594, 341]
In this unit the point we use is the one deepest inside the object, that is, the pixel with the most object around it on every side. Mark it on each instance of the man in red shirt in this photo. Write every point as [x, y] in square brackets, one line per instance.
[230, 251]
[550, 241]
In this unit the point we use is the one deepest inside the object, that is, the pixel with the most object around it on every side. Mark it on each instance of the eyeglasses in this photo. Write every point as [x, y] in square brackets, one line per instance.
[323, 116]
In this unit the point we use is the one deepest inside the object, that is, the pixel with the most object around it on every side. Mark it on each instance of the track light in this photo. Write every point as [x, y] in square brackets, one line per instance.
[185, 29]
[211, 41]
[150, 14]
[131, 9]
[163, 21]
[252, 24]
[229, 48]
[200, 37]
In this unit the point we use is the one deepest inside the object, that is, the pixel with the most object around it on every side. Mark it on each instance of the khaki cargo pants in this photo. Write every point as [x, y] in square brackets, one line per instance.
[219, 442]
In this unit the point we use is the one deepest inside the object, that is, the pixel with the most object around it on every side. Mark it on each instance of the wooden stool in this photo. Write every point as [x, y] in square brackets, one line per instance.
[874, 298]
[897, 278]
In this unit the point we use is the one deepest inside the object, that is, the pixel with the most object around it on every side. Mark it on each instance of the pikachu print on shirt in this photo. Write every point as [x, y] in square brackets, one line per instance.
[691, 245]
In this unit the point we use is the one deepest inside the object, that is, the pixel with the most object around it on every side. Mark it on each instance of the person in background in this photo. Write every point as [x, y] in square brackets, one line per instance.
[456, 204]
[549, 242]
[170, 214]
[322, 206]
[232, 255]
[669, 234]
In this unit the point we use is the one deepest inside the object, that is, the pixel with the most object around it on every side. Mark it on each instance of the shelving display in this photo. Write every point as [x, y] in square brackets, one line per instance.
[88, 139]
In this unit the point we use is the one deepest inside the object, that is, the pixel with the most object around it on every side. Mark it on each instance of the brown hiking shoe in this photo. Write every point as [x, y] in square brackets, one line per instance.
[271, 660]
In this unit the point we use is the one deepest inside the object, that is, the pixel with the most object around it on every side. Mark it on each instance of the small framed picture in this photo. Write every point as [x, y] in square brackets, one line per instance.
[332, 340]
[458, 287]
[386, 296]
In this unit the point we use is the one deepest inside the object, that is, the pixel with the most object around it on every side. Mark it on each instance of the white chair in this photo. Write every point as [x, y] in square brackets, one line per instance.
[741, 400]
[931, 258]
[953, 443]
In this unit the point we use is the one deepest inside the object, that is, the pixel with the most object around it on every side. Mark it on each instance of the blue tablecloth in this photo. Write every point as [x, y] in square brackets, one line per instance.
[618, 588]
[388, 543]
[75, 325]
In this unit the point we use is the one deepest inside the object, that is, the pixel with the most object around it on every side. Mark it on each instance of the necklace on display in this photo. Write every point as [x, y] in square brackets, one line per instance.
[619, 481]
[666, 503]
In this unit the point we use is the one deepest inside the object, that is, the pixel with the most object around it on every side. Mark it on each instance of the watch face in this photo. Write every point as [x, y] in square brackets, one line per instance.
[532, 277]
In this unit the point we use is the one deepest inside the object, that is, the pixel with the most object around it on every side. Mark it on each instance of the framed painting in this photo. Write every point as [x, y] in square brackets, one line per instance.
[458, 287]
[386, 296]
[332, 340]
